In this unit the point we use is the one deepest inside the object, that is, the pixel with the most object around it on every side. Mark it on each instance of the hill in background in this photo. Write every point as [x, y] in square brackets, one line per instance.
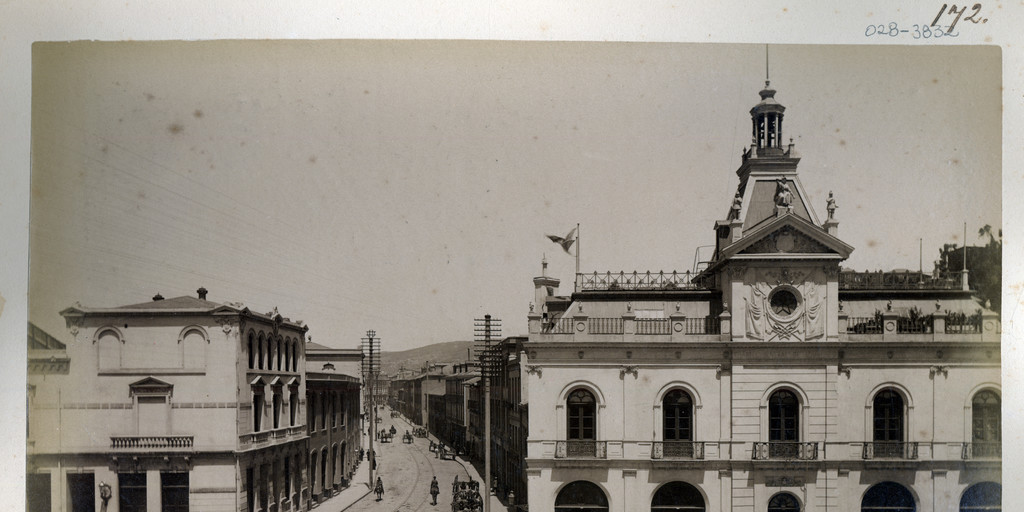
[414, 359]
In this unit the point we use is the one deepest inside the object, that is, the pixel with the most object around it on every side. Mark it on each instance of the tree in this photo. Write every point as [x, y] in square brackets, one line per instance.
[984, 265]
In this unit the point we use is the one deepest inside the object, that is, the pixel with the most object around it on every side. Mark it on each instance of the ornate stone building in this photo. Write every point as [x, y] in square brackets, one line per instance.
[769, 379]
[172, 404]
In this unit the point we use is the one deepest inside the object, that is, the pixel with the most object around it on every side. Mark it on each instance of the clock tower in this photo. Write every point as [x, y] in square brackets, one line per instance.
[776, 263]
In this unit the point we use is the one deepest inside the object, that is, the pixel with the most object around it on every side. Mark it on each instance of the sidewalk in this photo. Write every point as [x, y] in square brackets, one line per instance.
[358, 489]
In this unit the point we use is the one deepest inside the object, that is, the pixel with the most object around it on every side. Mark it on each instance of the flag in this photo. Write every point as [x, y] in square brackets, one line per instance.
[566, 241]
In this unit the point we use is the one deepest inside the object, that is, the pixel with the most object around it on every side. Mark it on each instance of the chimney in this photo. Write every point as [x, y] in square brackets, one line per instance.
[158, 297]
[202, 293]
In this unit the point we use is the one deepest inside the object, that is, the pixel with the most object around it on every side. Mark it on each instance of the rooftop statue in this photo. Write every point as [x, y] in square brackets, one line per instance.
[784, 197]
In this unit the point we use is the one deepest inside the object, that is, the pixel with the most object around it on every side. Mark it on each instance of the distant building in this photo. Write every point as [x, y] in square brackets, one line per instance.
[175, 404]
[457, 406]
[510, 423]
[768, 379]
[333, 403]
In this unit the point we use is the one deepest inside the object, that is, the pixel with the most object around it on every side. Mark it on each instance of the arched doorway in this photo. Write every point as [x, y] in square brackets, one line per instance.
[677, 497]
[982, 497]
[783, 502]
[581, 496]
[888, 497]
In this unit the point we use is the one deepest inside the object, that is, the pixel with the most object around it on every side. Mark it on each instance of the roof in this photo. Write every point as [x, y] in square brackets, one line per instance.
[183, 302]
[39, 339]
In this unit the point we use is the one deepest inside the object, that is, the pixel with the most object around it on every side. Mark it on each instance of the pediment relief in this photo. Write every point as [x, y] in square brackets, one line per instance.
[787, 240]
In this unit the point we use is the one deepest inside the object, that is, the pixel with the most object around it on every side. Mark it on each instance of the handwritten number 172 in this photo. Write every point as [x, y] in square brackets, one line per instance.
[953, 10]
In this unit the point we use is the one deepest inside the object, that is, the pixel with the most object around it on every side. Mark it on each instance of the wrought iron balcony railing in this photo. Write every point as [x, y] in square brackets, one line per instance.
[151, 442]
[798, 450]
[983, 450]
[638, 281]
[677, 450]
[890, 450]
[850, 280]
[581, 449]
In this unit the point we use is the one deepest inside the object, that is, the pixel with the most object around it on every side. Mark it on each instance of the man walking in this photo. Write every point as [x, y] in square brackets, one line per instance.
[434, 490]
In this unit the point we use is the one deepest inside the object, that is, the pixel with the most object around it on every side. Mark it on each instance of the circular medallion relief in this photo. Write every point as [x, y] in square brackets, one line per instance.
[783, 302]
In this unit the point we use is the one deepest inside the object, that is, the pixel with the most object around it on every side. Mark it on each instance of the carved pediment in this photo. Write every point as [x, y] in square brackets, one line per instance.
[150, 386]
[787, 240]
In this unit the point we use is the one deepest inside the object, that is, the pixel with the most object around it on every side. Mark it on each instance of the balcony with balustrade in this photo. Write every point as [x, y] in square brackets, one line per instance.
[151, 443]
[890, 450]
[785, 450]
[982, 450]
[692, 450]
[581, 449]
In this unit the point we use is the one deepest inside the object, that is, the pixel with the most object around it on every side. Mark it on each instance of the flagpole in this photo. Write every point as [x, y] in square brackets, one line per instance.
[577, 250]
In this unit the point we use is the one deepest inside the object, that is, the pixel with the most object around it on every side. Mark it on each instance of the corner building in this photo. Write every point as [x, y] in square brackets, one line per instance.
[178, 404]
[769, 379]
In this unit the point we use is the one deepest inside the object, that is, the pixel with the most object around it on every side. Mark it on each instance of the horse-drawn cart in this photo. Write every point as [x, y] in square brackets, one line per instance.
[466, 497]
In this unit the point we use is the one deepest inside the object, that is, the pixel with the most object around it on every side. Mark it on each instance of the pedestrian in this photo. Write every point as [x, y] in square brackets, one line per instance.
[379, 489]
[455, 484]
[434, 490]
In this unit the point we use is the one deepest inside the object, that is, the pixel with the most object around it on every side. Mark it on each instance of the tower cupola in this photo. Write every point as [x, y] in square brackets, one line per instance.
[767, 123]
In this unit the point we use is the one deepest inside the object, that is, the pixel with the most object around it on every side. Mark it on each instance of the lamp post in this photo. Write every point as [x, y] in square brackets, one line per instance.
[371, 367]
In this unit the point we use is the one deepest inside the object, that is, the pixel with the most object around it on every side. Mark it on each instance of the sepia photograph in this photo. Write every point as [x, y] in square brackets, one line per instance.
[481, 275]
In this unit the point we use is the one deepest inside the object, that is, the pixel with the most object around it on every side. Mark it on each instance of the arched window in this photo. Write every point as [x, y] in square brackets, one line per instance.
[986, 429]
[783, 424]
[257, 410]
[312, 471]
[287, 355]
[278, 352]
[295, 357]
[982, 497]
[581, 496]
[677, 497]
[887, 497]
[270, 353]
[252, 351]
[323, 469]
[259, 359]
[888, 424]
[783, 502]
[678, 416]
[582, 410]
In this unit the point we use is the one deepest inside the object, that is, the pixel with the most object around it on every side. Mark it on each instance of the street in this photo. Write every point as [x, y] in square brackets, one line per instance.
[406, 471]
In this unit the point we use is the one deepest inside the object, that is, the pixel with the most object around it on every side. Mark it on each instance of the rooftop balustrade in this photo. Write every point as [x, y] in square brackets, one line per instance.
[707, 325]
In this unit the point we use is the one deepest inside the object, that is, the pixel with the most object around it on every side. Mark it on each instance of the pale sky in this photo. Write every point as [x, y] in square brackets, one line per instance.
[406, 187]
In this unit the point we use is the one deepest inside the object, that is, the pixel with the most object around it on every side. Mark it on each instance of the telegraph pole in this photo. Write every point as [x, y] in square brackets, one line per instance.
[371, 368]
[485, 330]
